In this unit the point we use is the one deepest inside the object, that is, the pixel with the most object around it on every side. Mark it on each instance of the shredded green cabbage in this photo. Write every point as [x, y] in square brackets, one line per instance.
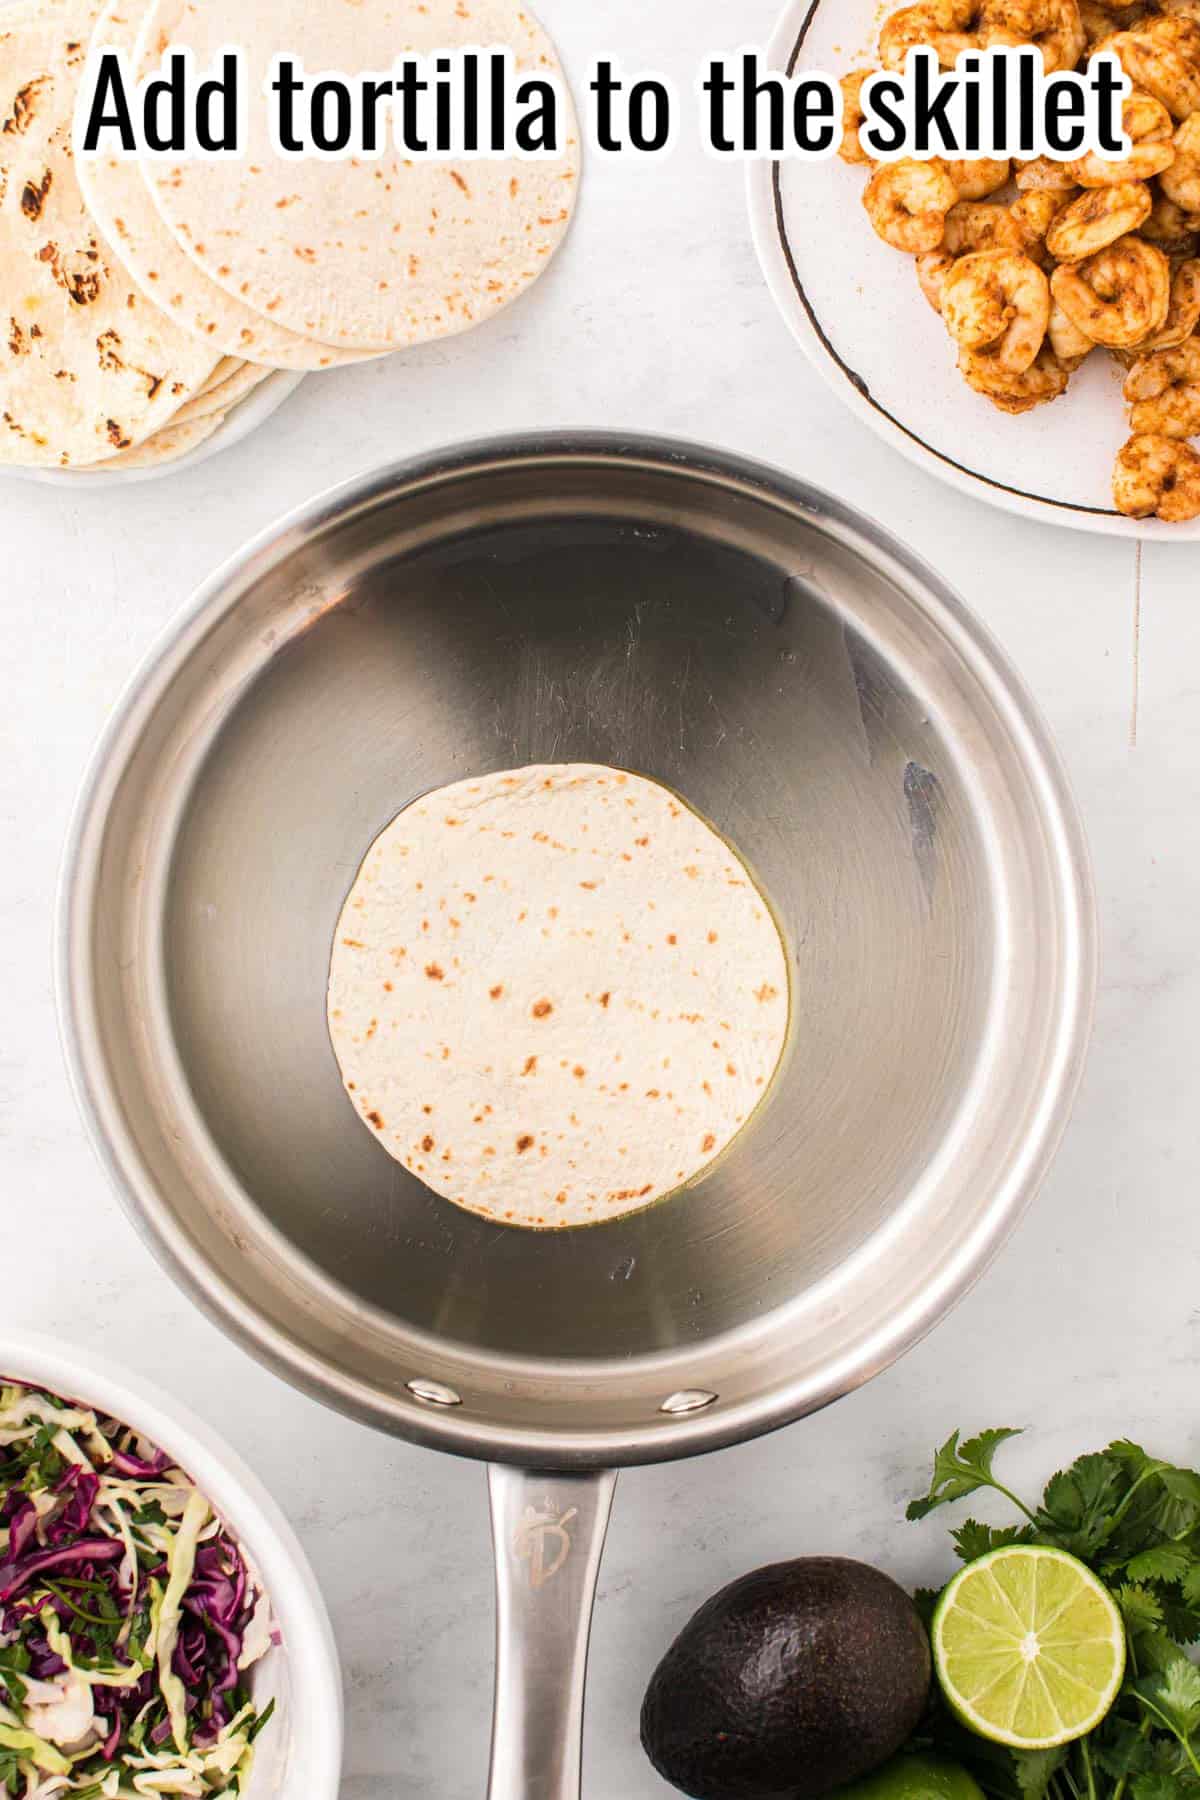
[182, 1564]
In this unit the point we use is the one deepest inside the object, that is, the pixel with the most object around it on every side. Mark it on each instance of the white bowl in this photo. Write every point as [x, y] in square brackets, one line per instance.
[299, 1755]
[856, 311]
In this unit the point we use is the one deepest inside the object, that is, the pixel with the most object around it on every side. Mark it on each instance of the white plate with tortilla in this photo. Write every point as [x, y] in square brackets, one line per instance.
[855, 307]
[246, 416]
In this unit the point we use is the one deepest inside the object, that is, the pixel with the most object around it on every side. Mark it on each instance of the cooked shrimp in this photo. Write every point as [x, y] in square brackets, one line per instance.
[1120, 295]
[1148, 126]
[1098, 22]
[1036, 211]
[1162, 57]
[1181, 181]
[932, 269]
[977, 177]
[1170, 227]
[1053, 26]
[944, 26]
[1033, 214]
[907, 203]
[1068, 343]
[851, 150]
[1183, 314]
[1041, 173]
[1044, 380]
[1157, 475]
[976, 225]
[998, 302]
[1164, 391]
[1101, 20]
[1099, 217]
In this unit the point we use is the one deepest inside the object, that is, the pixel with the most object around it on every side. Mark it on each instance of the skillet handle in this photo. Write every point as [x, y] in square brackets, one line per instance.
[548, 1534]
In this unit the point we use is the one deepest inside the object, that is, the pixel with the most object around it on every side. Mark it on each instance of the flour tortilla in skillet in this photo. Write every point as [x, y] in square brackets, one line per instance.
[555, 993]
[119, 201]
[368, 253]
[87, 365]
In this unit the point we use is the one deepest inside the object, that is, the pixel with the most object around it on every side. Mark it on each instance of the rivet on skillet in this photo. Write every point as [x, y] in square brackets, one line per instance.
[687, 1400]
[433, 1393]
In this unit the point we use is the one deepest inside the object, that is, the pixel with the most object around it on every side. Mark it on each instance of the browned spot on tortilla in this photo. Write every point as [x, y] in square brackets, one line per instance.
[729, 1069]
[530, 1065]
[541, 1008]
[427, 1110]
[435, 972]
[427, 1143]
[710, 1142]
[524, 1142]
[560, 1199]
[605, 998]
[373, 1118]
[495, 993]
[641, 842]
[387, 987]
[458, 181]
[579, 1071]
[766, 992]
[81, 285]
[24, 108]
[108, 346]
[354, 943]
[33, 196]
[590, 885]
[671, 938]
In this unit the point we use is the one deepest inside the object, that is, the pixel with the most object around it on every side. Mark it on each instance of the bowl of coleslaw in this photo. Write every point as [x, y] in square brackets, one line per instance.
[161, 1632]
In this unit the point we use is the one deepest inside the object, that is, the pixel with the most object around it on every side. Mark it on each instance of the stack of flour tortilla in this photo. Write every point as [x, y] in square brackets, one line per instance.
[142, 300]
[556, 994]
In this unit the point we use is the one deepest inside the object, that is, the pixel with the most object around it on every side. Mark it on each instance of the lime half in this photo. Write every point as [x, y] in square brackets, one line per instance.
[914, 1778]
[1029, 1647]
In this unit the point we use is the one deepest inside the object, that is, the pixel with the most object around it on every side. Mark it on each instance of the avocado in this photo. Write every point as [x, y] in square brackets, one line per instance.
[788, 1683]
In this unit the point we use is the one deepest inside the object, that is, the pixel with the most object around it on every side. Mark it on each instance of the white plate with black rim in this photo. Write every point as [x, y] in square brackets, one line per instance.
[854, 305]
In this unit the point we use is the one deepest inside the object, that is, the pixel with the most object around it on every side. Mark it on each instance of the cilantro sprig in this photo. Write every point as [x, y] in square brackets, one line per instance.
[1135, 1521]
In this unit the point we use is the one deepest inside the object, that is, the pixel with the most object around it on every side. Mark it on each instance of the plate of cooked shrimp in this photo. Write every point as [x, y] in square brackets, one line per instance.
[1029, 331]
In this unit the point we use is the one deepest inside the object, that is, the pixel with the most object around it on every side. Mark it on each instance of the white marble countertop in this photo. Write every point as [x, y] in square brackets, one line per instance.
[654, 317]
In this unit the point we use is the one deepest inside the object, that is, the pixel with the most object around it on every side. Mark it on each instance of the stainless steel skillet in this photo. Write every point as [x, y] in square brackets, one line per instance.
[837, 712]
